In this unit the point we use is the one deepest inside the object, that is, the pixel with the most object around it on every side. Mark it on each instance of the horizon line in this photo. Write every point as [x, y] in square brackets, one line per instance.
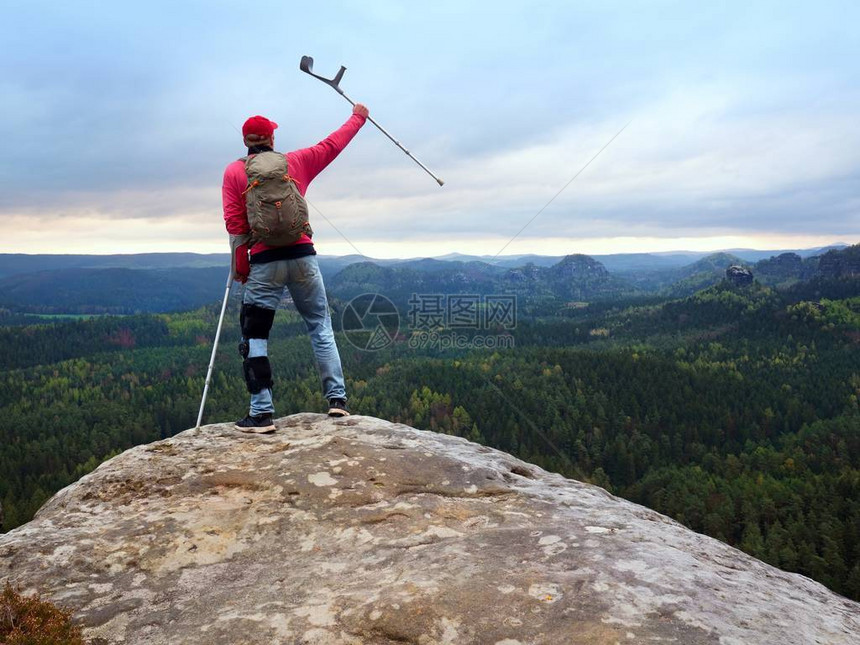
[454, 253]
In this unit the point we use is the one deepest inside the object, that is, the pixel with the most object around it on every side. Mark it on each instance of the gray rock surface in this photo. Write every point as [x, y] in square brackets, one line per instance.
[366, 532]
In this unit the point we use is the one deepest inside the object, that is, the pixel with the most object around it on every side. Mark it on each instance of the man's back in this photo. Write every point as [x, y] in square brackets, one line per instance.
[268, 270]
[303, 166]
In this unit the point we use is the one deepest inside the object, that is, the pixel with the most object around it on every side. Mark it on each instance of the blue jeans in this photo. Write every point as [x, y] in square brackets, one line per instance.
[302, 277]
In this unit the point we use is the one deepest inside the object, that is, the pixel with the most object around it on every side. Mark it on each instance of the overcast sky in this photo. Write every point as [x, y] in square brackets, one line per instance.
[117, 120]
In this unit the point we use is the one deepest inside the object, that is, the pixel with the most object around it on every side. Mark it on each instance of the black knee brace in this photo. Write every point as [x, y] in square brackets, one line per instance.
[256, 322]
[258, 374]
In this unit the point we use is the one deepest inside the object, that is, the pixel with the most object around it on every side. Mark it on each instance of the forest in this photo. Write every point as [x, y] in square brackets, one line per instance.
[733, 410]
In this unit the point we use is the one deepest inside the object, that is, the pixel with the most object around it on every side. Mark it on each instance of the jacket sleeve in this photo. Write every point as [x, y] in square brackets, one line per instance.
[233, 201]
[314, 159]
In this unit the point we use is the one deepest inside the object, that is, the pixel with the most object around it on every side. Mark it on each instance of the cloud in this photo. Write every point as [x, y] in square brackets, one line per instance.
[742, 118]
[682, 165]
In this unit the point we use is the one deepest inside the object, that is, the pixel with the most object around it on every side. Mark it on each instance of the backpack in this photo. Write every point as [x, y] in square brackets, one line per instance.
[277, 212]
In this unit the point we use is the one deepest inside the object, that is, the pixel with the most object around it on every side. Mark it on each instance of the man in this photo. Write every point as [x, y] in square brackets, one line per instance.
[266, 270]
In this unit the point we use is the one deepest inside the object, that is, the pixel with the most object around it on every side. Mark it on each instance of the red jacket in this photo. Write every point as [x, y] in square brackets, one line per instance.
[304, 165]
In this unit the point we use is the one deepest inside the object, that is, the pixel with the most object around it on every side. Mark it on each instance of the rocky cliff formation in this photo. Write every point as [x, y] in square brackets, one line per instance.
[739, 276]
[366, 532]
[784, 268]
[843, 263]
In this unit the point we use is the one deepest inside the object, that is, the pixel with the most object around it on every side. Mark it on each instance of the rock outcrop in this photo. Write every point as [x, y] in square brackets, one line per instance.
[367, 532]
[739, 276]
[576, 265]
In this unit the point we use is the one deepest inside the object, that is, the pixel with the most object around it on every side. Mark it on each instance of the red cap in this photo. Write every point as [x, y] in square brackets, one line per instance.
[259, 125]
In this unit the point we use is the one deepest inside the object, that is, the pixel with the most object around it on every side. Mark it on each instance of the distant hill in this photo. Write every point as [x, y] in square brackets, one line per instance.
[574, 277]
[702, 274]
[677, 274]
[680, 281]
[158, 282]
[119, 291]
[18, 263]
[714, 263]
[657, 271]
[425, 276]
[505, 260]
[614, 262]
[626, 263]
[755, 255]
[619, 263]
[785, 269]
[781, 270]
[844, 263]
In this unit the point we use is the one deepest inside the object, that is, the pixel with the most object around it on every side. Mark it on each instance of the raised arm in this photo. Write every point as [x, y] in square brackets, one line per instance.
[314, 159]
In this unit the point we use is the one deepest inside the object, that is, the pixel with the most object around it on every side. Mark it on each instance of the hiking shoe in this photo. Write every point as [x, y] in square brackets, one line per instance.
[337, 408]
[260, 424]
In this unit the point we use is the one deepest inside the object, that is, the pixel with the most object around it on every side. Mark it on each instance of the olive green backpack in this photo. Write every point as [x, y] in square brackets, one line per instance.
[277, 212]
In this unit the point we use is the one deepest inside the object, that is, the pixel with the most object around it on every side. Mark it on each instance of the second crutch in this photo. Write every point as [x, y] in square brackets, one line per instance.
[215, 347]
